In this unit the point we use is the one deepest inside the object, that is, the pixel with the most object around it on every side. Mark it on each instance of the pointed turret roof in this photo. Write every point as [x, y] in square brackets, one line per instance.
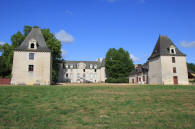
[36, 35]
[162, 48]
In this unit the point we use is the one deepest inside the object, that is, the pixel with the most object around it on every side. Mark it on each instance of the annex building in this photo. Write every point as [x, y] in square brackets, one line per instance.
[166, 65]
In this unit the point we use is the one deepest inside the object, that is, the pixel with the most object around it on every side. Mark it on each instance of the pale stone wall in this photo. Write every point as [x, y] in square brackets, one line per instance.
[42, 68]
[167, 70]
[155, 73]
[103, 74]
[140, 81]
[77, 75]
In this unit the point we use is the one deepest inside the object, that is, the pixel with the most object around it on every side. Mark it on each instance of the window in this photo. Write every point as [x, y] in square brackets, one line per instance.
[78, 75]
[66, 75]
[144, 78]
[31, 56]
[172, 50]
[32, 45]
[83, 70]
[31, 68]
[91, 66]
[140, 79]
[133, 81]
[83, 75]
[95, 66]
[95, 70]
[136, 79]
[174, 69]
[173, 59]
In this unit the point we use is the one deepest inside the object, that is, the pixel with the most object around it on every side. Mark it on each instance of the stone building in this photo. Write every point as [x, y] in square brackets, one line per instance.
[32, 61]
[140, 74]
[166, 65]
[82, 71]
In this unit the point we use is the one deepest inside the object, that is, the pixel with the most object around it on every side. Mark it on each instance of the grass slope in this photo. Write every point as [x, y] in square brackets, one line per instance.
[113, 107]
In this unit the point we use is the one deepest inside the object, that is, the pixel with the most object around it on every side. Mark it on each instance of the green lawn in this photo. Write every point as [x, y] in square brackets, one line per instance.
[97, 107]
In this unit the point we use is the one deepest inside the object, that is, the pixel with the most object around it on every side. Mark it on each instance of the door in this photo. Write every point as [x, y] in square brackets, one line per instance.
[175, 80]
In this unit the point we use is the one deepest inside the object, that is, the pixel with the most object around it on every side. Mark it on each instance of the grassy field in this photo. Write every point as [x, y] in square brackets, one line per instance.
[97, 107]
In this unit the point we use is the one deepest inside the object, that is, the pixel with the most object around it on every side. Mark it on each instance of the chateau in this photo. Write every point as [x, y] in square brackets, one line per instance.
[166, 65]
[32, 65]
[82, 71]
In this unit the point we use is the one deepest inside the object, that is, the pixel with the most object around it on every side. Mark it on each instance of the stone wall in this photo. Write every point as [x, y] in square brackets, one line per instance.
[42, 68]
[155, 73]
[181, 70]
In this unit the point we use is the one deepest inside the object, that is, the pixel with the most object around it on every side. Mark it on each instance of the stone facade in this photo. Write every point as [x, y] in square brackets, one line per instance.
[32, 61]
[41, 74]
[82, 72]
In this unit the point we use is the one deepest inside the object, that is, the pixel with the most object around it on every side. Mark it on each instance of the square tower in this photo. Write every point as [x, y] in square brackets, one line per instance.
[32, 61]
[167, 64]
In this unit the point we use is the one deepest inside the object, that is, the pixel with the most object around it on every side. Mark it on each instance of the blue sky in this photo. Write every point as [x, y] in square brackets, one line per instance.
[88, 28]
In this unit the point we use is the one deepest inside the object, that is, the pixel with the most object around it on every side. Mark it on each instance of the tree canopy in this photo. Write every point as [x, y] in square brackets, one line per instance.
[118, 65]
[191, 66]
[6, 59]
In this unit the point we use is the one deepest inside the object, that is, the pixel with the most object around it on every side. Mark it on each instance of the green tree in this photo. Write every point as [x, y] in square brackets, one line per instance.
[191, 66]
[7, 51]
[5, 59]
[118, 65]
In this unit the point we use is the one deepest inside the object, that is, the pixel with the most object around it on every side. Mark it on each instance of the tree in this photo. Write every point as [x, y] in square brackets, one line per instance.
[7, 50]
[5, 59]
[191, 66]
[118, 65]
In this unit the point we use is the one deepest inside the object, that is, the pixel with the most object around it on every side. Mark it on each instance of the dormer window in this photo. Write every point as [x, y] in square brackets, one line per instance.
[172, 50]
[95, 66]
[33, 44]
[91, 66]
[71, 66]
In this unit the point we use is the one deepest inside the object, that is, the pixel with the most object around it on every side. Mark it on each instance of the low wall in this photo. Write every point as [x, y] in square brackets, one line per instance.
[5, 81]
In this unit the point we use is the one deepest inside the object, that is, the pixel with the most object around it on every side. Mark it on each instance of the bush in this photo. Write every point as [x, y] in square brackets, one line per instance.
[118, 80]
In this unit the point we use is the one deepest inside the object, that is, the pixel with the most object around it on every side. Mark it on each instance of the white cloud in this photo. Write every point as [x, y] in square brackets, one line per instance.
[1, 43]
[64, 37]
[186, 44]
[64, 53]
[134, 58]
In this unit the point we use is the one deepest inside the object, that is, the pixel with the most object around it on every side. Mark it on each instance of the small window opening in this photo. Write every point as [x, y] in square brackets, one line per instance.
[30, 68]
[174, 70]
[32, 45]
[173, 59]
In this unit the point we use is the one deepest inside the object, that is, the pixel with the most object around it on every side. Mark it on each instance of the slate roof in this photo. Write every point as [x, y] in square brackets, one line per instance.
[74, 63]
[140, 69]
[37, 35]
[161, 48]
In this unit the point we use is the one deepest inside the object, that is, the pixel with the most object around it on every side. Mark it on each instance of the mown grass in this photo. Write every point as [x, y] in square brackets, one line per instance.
[97, 107]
